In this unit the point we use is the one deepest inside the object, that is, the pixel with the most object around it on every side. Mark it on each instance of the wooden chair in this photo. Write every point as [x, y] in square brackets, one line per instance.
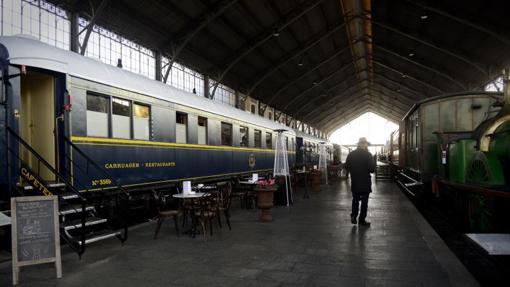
[165, 214]
[205, 212]
[240, 192]
[224, 202]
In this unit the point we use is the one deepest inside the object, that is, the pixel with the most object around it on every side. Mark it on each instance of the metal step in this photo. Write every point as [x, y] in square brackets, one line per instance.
[98, 236]
[74, 208]
[50, 185]
[75, 224]
[68, 196]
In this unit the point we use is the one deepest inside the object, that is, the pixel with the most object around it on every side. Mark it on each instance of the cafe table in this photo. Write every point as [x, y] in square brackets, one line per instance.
[191, 196]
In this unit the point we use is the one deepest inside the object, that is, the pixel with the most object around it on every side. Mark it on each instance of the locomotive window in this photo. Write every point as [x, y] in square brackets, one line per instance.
[121, 118]
[181, 128]
[243, 136]
[269, 140]
[226, 134]
[202, 130]
[141, 122]
[98, 108]
[258, 139]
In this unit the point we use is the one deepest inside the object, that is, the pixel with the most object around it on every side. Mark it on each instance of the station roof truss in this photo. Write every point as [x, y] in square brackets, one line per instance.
[323, 62]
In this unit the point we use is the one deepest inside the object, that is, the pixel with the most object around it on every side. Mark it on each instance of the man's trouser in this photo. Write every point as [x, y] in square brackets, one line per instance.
[356, 198]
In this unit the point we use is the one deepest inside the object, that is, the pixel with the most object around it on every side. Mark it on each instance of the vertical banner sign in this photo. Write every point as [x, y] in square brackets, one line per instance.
[35, 233]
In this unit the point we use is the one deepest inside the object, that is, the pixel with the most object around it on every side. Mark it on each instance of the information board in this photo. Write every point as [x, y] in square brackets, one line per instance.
[35, 233]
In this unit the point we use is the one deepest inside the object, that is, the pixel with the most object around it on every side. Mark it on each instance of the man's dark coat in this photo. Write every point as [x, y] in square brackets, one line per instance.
[360, 163]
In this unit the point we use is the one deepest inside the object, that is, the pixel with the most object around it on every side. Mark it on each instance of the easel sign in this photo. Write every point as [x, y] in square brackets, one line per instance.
[35, 233]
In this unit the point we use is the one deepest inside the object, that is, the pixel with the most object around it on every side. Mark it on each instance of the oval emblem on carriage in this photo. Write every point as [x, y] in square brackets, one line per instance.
[251, 160]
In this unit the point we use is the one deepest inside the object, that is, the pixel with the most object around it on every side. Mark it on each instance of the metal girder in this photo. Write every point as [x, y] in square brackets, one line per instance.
[202, 22]
[417, 64]
[407, 76]
[295, 54]
[345, 80]
[358, 89]
[489, 32]
[388, 112]
[353, 94]
[293, 16]
[309, 71]
[90, 26]
[344, 67]
[354, 114]
[357, 16]
[353, 98]
[411, 90]
[328, 121]
[431, 45]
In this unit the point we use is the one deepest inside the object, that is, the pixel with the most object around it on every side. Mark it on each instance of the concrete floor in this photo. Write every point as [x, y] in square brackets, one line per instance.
[311, 243]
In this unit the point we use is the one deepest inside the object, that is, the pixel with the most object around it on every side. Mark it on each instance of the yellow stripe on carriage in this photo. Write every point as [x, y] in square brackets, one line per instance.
[142, 143]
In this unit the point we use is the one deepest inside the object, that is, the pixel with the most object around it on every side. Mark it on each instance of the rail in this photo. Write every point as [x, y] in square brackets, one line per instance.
[40, 160]
[72, 149]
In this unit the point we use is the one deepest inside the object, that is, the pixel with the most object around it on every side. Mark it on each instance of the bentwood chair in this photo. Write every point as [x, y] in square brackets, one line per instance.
[163, 213]
[205, 212]
[224, 201]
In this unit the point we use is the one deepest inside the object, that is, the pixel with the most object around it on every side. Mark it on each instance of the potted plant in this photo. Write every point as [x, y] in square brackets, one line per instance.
[265, 196]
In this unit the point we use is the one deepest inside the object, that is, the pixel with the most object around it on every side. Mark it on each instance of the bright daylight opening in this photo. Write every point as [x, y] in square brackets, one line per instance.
[375, 128]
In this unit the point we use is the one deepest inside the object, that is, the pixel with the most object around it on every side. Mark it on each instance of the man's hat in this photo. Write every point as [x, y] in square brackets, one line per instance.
[363, 140]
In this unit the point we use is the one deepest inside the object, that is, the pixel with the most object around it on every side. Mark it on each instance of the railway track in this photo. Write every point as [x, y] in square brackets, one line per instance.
[488, 270]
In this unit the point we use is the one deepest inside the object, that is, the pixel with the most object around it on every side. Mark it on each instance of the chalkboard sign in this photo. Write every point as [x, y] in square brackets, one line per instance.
[35, 232]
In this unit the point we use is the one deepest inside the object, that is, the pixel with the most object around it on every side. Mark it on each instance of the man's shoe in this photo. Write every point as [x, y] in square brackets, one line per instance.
[364, 223]
[353, 220]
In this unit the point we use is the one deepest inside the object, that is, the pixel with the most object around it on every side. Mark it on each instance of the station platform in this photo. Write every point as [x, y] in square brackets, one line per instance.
[312, 243]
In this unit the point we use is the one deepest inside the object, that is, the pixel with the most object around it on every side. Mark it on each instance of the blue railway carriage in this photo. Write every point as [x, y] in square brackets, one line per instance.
[72, 118]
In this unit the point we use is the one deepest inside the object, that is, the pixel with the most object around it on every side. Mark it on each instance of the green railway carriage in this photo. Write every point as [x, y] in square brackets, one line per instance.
[421, 154]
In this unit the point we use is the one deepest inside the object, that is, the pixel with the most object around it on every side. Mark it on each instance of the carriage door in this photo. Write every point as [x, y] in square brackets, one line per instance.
[37, 121]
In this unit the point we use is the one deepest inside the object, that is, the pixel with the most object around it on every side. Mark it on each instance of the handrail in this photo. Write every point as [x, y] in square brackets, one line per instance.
[89, 161]
[98, 167]
[45, 163]
[40, 159]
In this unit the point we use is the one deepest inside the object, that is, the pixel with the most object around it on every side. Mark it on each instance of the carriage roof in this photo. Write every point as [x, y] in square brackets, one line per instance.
[25, 50]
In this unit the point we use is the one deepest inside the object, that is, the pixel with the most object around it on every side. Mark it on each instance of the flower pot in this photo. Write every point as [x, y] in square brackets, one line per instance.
[265, 198]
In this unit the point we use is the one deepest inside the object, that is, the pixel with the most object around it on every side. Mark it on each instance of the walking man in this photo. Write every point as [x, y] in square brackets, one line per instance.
[360, 163]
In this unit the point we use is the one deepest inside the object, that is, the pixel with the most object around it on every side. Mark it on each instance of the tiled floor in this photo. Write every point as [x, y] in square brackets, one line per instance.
[311, 243]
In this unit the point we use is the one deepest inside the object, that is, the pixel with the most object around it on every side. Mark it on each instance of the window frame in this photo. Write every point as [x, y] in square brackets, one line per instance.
[231, 141]
[244, 143]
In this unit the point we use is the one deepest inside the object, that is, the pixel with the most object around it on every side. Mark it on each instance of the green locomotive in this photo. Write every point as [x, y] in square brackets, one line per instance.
[455, 151]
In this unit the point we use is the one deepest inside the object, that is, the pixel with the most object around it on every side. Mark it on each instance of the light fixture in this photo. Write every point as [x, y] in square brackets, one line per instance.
[424, 16]
[276, 33]
[411, 54]
[300, 64]
[314, 83]
[404, 75]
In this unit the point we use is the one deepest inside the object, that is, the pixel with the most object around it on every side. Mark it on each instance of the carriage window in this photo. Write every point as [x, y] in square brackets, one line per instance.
[287, 143]
[202, 130]
[269, 140]
[226, 134]
[243, 136]
[252, 109]
[141, 122]
[270, 115]
[258, 139]
[121, 118]
[98, 108]
[181, 124]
